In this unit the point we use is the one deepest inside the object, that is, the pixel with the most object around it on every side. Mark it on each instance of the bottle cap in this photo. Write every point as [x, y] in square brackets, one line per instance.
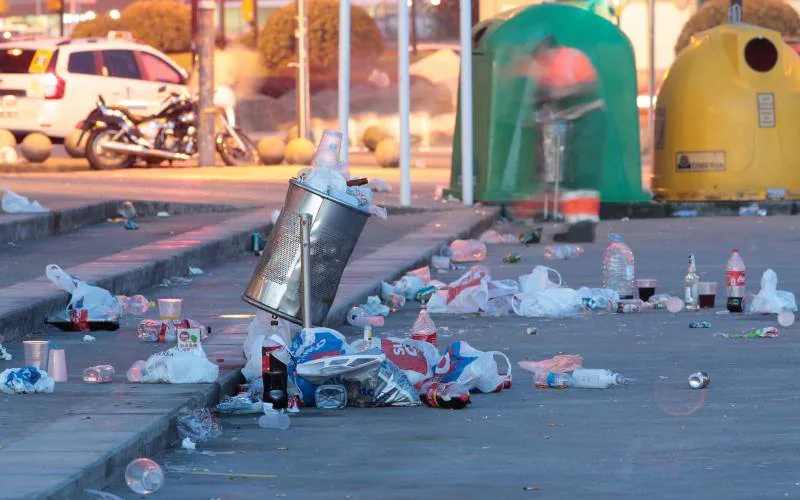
[736, 250]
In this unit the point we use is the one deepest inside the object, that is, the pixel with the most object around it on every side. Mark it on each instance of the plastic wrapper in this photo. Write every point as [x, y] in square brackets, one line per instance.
[467, 295]
[13, 203]
[493, 237]
[98, 303]
[558, 363]
[26, 380]
[179, 367]
[467, 251]
[769, 299]
[598, 298]
[241, 404]
[550, 303]
[258, 330]
[165, 331]
[198, 425]
[311, 344]
[359, 318]
[539, 280]
[390, 387]
[374, 307]
[474, 369]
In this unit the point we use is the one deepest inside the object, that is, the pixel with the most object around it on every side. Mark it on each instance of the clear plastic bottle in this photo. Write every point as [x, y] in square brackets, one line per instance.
[595, 379]
[424, 328]
[553, 380]
[467, 251]
[273, 419]
[99, 374]
[135, 371]
[735, 282]
[144, 476]
[562, 252]
[618, 267]
[136, 305]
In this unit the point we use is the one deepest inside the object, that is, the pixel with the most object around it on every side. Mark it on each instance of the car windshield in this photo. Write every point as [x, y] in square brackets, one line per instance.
[15, 61]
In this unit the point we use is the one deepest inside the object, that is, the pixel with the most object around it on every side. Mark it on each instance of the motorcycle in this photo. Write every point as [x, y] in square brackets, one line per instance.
[118, 137]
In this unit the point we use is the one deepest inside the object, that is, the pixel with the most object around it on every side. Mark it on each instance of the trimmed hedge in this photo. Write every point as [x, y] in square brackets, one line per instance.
[772, 14]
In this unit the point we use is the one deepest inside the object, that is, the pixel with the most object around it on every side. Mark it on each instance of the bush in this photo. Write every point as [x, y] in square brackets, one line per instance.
[98, 27]
[163, 24]
[771, 14]
[277, 42]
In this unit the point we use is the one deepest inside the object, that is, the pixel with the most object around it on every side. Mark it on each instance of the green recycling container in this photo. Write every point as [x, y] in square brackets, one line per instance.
[602, 150]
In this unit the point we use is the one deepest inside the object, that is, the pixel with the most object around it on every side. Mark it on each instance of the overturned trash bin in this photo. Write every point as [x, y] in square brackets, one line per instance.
[277, 282]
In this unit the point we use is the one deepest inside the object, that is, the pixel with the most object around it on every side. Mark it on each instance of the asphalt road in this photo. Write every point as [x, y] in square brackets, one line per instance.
[653, 437]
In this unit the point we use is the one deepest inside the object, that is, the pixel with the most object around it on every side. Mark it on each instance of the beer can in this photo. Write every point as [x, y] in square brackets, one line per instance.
[699, 380]
[255, 243]
[512, 258]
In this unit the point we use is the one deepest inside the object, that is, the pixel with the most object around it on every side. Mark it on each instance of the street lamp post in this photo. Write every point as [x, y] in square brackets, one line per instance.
[465, 32]
[303, 97]
[404, 95]
[205, 132]
[344, 77]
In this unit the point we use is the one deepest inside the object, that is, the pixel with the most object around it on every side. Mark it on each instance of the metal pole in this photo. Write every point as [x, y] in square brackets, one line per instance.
[651, 84]
[61, 16]
[465, 31]
[222, 19]
[303, 115]
[344, 77]
[405, 102]
[255, 24]
[305, 264]
[414, 26]
[205, 133]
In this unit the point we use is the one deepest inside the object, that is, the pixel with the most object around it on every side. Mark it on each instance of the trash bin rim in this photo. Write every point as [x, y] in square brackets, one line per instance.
[296, 182]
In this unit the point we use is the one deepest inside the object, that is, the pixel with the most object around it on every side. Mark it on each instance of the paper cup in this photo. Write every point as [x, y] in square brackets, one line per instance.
[36, 353]
[57, 365]
[169, 308]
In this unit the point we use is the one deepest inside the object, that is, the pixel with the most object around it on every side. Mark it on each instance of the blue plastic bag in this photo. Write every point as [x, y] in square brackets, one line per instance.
[474, 369]
[315, 343]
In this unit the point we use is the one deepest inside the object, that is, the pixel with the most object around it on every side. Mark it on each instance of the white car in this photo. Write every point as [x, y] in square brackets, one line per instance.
[50, 86]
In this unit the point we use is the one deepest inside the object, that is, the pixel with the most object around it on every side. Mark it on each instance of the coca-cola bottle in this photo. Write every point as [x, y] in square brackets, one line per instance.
[451, 395]
[274, 366]
[424, 329]
[735, 282]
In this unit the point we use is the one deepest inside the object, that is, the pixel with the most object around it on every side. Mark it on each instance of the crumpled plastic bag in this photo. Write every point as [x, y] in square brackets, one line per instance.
[598, 298]
[26, 380]
[99, 303]
[472, 368]
[17, 204]
[374, 307]
[467, 251]
[379, 185]
[415, 358]
[198, 425]
[538, 280]
[311, 344]
[390, 387]
[256, 334]
[179, 367]
[558, 363]
[494, 237]
[550, 303]
[468, 294]
[769, 299]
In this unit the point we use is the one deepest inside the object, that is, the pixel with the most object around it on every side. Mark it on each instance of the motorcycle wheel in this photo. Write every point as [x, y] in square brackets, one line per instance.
[104, 160]
[232, 154]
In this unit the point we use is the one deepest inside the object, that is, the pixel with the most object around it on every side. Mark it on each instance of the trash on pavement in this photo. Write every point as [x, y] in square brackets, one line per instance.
[467, 251]
[472, 368]
[752, 210]
[468, 294]
[27, 380]
[700, 324]
[88, 339]
[452, 395]
[548, 303]
[531, 330]
[126, 210]
[512, 258]
[358, 317]
[558, 363]
[4, 354]
[562, 252]
[274, 419]
[417, 359]
[57, 364]
[188, 444]
[684, 214]
[99, 374]
[144, 476]
[598, 299]
[357, 367]
[174, 366]
[424, 329]
[759, 333]
[699, 380]
[134, 373]
[531, 237]
[374, 307]
[331, 397]
[195, 271]
[379, 185]
[423, 273]
[584, 378]
[198, 425]
[130, 225]
[314, 344]
[153, 330]
[424, 294]
[785, 319]
[260, 329]
[440, 262]
[162, 214]
[394, 301]
[89, 304]
[674, 305]
[389, 387]
[136, 305]
[769, 299]
[539, 280]
[627, 306]
[13, 203]
[551, 380]
[494, 237]
[240, 404]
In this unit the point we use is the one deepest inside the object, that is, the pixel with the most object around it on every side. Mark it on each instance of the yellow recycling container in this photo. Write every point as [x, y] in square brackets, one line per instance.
[728, 119]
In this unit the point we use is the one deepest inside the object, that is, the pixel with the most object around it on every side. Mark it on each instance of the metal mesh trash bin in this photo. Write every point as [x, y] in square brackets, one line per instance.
[276, 284]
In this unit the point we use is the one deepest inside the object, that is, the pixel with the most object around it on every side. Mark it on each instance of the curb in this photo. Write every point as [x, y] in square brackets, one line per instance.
[25, 227]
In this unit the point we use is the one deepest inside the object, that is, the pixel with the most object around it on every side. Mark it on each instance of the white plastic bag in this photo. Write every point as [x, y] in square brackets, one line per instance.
[469, 294]
[549, 303]
[256, 334]
[16, 204]
[539, 280]
[601, 297]
[27, 380]
[179, 367]
[770, 300]
[98, 302]
[472, 368]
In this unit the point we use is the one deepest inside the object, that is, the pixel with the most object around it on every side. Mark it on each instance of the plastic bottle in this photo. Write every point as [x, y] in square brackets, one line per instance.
[467, 251]
[562, 252]
[735, 282]
[135, 371]
[273, 419]
[618, 267]
[451, 395]
[595, 379]
[424, 328]
[553, 380]
[136, 305]
[126, 210]
[99, 374]
[357, 316]
[690, 282]
[274, 364]
[144, 476]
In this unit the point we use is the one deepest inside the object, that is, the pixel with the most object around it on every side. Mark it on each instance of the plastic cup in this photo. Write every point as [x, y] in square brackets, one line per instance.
[36, 353]
[674, 305]
[706, 293]
[647, 288]
[169, 308]
[57, 365]
[786, 319]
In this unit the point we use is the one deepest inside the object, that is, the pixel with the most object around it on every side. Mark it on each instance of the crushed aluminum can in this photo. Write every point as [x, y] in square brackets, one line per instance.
[424, 294]
[699, 324]
[589, 303]
[624, 307]
[512, 258]
[699, 380]
[130, 225]
[530, 237]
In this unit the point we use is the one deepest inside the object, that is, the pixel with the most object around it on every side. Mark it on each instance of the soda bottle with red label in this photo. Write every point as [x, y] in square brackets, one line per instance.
[451, 395]
[735, 280]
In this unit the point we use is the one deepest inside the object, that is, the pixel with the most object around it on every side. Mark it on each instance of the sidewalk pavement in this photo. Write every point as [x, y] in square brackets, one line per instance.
[83, 436]
[651, 438]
